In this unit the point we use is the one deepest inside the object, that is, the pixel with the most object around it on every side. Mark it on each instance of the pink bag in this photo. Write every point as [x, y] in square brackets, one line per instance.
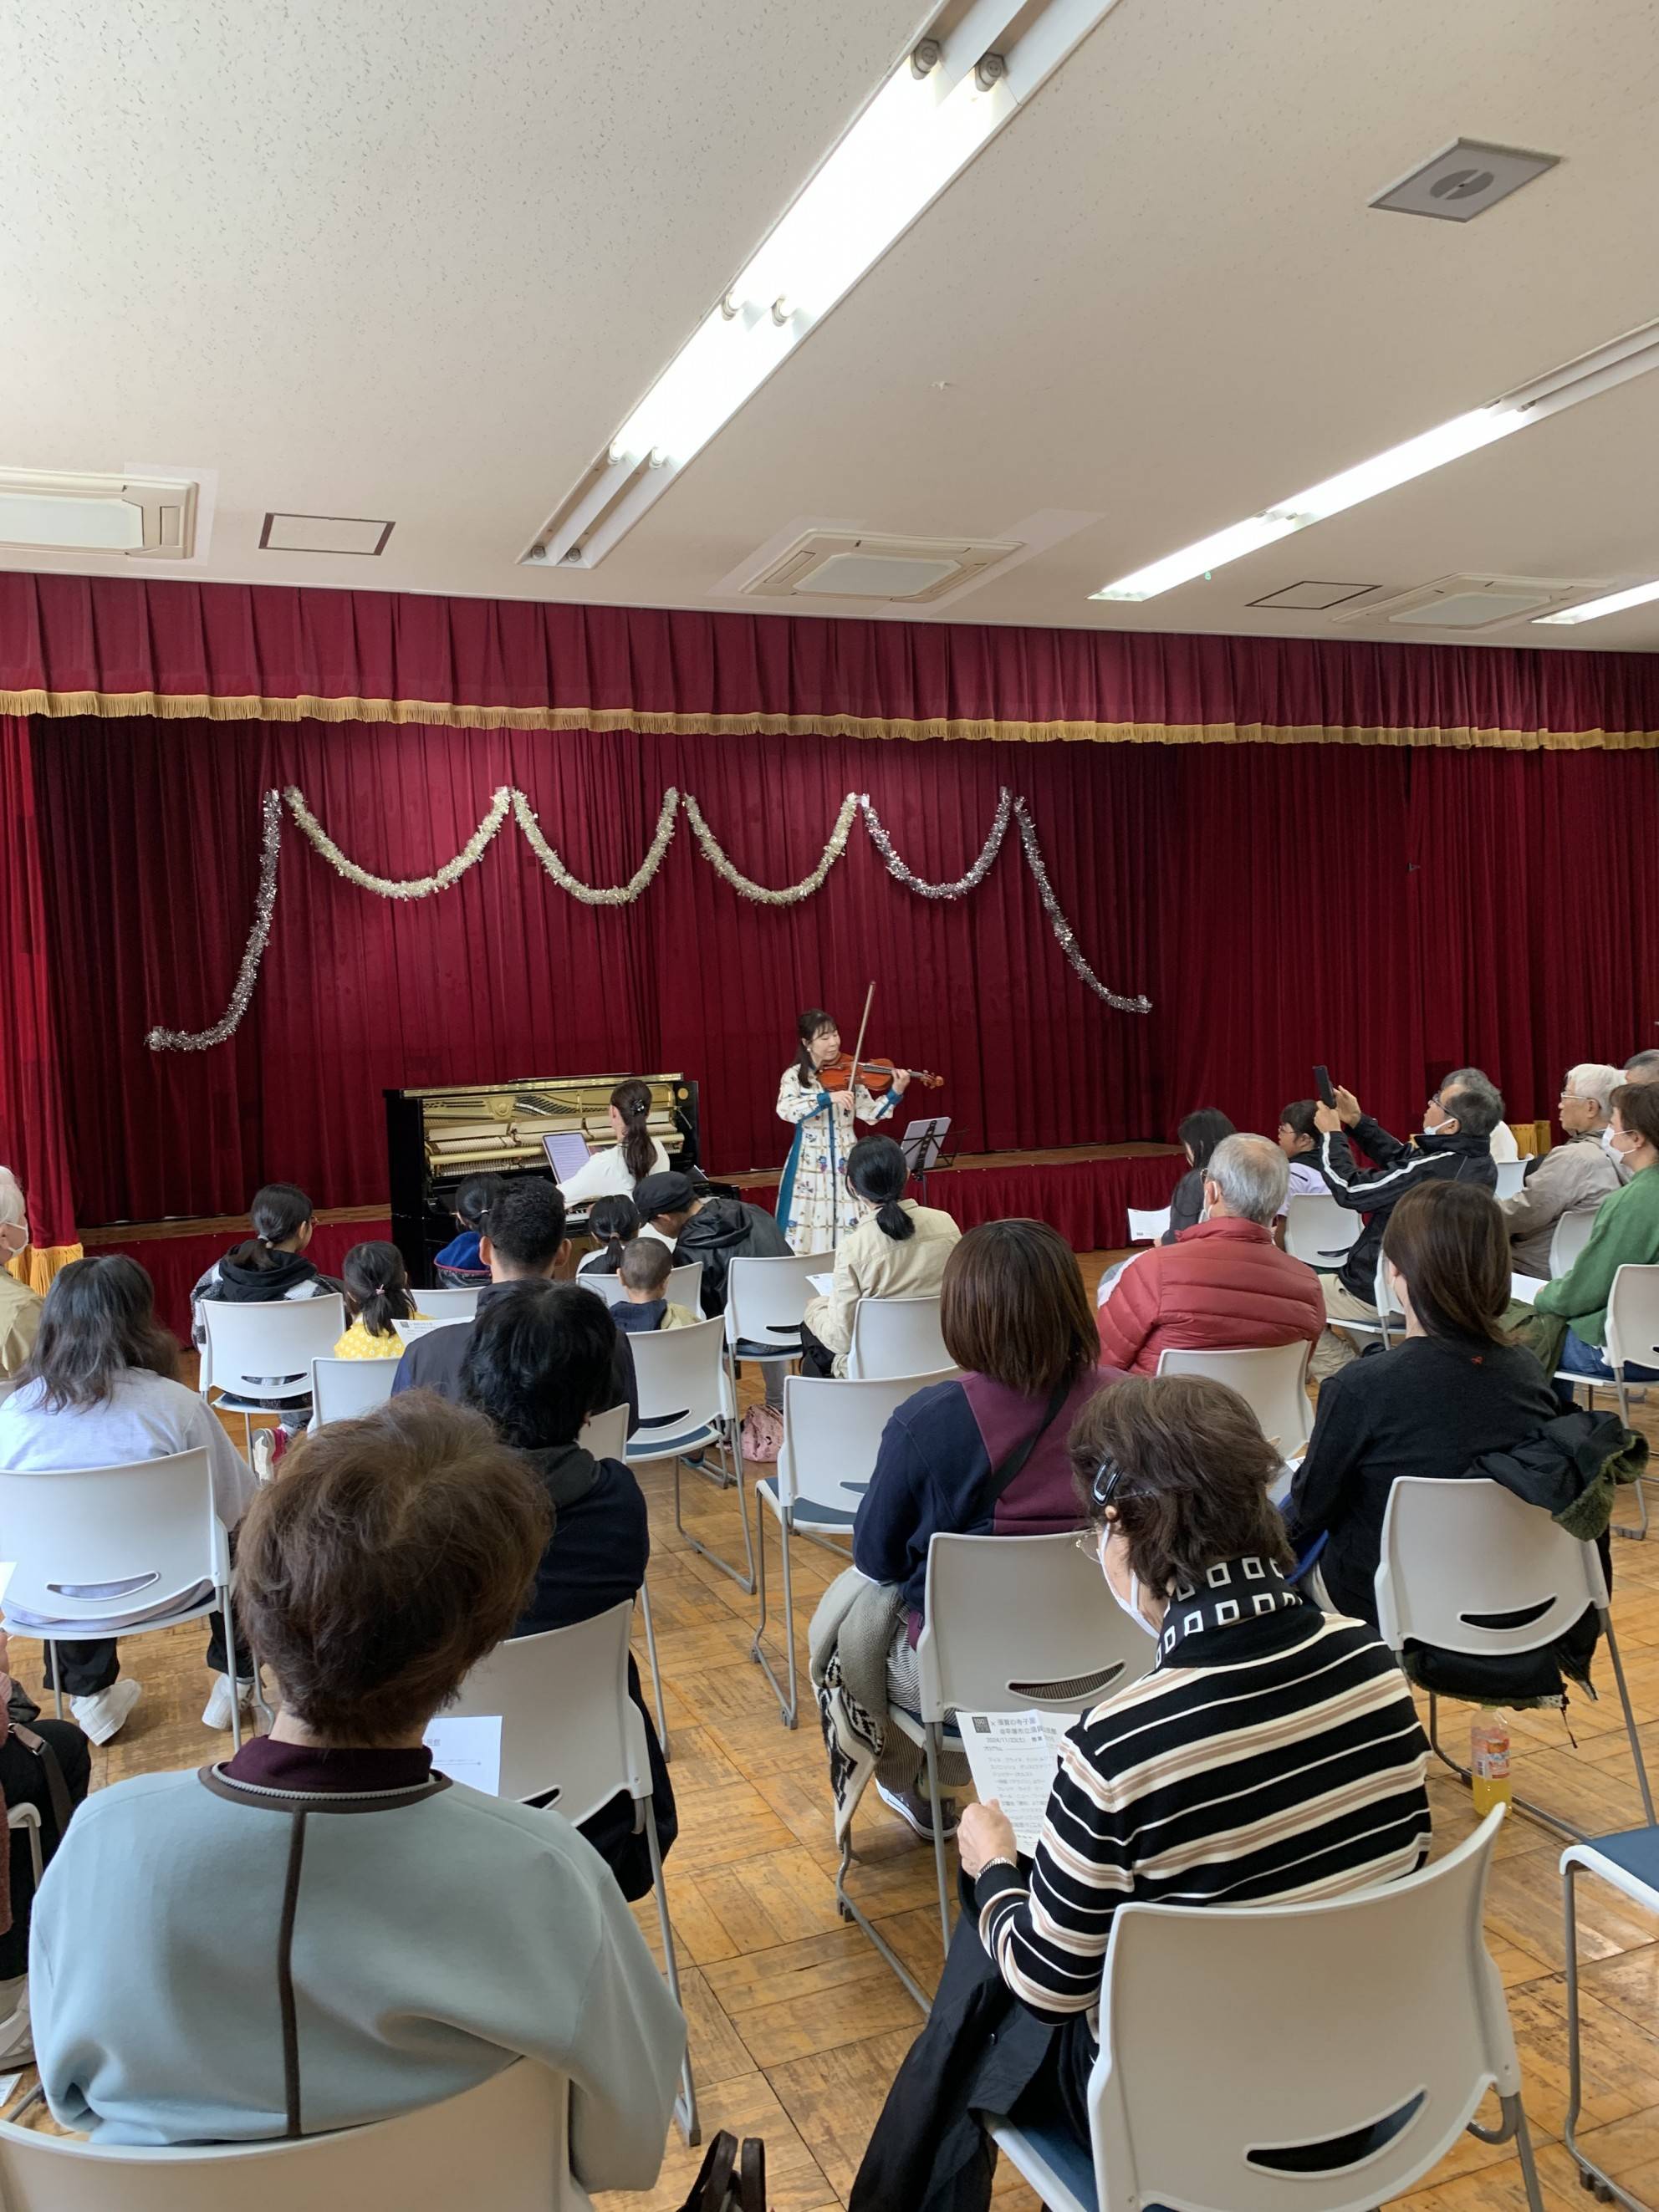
[763, 1433]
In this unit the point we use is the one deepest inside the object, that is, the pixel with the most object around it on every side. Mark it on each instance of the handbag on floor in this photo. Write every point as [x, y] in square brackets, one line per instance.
[763, 1433]
[730, 2178]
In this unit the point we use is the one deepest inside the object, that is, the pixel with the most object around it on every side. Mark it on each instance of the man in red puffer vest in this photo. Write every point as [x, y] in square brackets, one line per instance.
[1223, 1285]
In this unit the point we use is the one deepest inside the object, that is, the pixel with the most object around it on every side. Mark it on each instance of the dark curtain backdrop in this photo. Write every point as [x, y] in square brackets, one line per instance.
[1384, 910]
[32, 1132]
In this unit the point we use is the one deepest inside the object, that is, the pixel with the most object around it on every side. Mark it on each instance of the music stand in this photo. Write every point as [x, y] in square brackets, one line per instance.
[923, 1148]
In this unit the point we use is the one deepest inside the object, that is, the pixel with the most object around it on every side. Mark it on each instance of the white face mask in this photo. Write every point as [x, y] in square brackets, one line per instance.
[1608, 1144]
[1131, 1605]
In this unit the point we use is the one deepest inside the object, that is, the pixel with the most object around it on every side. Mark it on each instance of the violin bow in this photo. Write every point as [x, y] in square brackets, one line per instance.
[858, 1049]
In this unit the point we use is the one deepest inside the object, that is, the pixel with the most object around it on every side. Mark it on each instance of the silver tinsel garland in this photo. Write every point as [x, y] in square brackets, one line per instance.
[247, 975]
[912, 882]
[1064, 935]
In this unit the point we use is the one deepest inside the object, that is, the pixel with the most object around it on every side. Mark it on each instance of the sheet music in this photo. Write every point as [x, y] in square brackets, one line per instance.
[1526, 1287]
[468, 1748]
[824, 1285]
[1012, 1756]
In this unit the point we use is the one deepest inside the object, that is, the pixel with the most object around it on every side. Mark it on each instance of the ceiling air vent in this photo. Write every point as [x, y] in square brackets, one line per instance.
[840, 564]
[1462, 180]
[1464, 603]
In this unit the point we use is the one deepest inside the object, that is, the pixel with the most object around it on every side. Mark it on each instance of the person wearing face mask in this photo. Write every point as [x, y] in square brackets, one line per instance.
[1569, 1178]
[20, 1306]
[898, 1250]
[1272, 1749]
[1626, 1234]
[1455, 1146]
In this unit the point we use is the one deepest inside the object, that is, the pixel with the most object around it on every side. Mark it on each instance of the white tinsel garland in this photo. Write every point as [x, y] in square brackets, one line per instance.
[265, 906]
[411, 887]
[1064, 935]
[619, 894]
[759, 892]
[912, 882]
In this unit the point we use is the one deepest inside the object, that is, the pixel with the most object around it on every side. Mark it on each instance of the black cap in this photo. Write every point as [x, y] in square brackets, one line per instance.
[664, 1194]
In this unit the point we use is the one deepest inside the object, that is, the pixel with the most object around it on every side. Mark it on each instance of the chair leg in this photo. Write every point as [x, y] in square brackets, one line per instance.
[744, 1583]
[789, 1706]
[37, 1861]
[686, 2105]
[57, 1679]
[656, 1671]
[850, 1911]
[1516, 2117]
[930, 1733]
[1630, 1718]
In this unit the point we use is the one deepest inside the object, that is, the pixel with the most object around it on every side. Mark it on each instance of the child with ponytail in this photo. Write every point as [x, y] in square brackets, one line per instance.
[377, 1294]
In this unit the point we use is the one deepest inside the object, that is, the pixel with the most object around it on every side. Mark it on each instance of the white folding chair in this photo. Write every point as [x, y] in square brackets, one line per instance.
[606, 1435]
[341, 1389]
[258, 1357]
[411, 1331]
[1511, 1175]
[681, 1377]
[1630, 1862]
[765, 1305]
[1572, 1233]
[1390, 1315]
[1320, 1231]
[897, 1336]
[1274, 1378]
[458, 1304]
[832, 1432]
[573, 1738]
[1328, 2102]
[28, 1817]
[1470, 1568]
[1010, 1623]
[1633, 1340]
[1147, 1226]
[142, 1534]
[505, 2144]
[686, 1288]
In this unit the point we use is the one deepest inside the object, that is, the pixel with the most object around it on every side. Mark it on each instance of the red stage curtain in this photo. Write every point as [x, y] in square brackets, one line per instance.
[70, 644]
[1386, 911]
[33, 1141]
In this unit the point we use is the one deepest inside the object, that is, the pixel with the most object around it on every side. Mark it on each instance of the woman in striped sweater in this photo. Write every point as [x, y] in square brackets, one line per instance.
[1272, 1753]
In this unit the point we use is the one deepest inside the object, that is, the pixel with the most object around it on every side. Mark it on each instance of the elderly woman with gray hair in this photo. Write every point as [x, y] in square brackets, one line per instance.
[20, 1306]
[1570, 1178]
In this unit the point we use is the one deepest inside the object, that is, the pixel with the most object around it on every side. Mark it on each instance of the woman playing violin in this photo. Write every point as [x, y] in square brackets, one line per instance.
[823, 1101]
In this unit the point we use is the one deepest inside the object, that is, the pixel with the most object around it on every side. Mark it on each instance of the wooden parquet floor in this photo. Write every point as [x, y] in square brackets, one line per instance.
[797, 2025]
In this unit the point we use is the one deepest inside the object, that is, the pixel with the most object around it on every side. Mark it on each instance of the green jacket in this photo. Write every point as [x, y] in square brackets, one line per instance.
[1626, 1234]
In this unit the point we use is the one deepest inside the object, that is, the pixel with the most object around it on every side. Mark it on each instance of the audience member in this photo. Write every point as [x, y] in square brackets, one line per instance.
[1455, 1146]
[413, 1950]
[898, 1250]
[1224, 1285]
[537, 1366]
[1626, 1234]
[1299, 1139]
[523, 1240]
[1454, 1388]
[1272, 1753]
[616, 1222]
[1198, 1136]
[265, 1268]
[644, 1306]
[713, 1231]
[20, 1306]
[101, 1390]
[458, 1267]
[1642, 1067]
[636, 1154]
[1569, 1178]
[985, 1454]
[45, 1764]
[377, 1294]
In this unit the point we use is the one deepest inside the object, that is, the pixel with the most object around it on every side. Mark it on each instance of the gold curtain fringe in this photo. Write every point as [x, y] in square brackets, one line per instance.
[195, 706]
[36, 1264]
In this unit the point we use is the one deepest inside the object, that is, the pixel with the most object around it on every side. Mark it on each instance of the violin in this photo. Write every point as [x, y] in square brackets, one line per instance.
[876, 1075]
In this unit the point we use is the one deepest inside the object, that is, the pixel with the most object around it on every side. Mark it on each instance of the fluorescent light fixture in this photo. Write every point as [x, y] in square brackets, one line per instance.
[923, 128]
[1633, 355]
[152, 517]
[1613, 603]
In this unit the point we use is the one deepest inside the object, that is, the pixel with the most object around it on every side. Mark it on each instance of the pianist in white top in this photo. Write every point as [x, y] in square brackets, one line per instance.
[635, 1154]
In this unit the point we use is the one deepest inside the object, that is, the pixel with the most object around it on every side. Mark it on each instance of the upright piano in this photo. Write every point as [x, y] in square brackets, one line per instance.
[436, 1139]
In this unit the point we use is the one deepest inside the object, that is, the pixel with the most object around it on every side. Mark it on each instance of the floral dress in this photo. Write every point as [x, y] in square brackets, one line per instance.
[814, 1203]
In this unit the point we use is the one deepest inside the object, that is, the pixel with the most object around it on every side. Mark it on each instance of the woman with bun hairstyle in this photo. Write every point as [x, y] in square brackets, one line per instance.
[620, 1168]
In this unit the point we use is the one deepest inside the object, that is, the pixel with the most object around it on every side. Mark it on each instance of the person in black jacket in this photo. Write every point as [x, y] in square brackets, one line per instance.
[1198, 1134]
[537, 1365]
[1455, 1146]
[713, 1231]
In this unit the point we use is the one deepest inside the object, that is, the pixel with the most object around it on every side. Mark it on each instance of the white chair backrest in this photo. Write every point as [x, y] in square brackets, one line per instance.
[341, 1389]
[457, 1304]
[568, 1723]
[412, 1331]
[897, 1336]
[1512, 1174]
[1384, 1298]
[605, 1435]
[505, 2144]
[1633, 1317]
[1147, 1226]
[1403, 1977]
[1572, 1233]
[686, 1288]
[1320, 1231]
[1472, 1568]
[678, 1373]
[1274, 1378]
[832, 1431]
[147, 1528]
[766, 1299]
[265, 1350]
[1013, 1622]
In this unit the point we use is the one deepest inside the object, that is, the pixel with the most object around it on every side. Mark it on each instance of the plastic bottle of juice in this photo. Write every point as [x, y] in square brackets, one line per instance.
[1489, 1760]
